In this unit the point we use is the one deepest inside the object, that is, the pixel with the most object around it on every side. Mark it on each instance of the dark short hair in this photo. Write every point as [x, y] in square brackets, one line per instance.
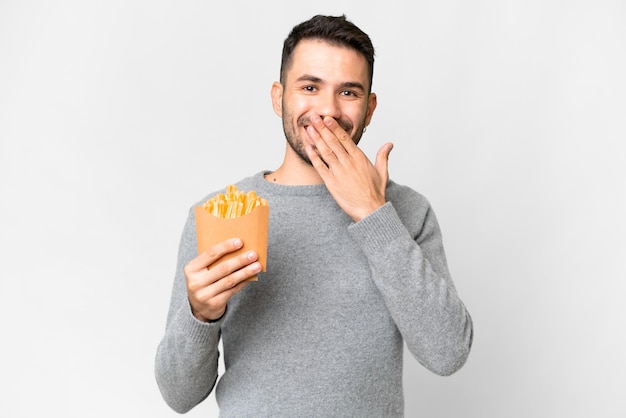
[336, 30]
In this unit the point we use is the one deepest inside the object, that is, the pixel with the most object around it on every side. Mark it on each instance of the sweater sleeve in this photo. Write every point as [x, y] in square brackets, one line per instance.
[412, 275]
[186, 364]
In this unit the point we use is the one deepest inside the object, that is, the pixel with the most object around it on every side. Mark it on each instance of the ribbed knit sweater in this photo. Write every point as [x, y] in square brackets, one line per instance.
[321, 333]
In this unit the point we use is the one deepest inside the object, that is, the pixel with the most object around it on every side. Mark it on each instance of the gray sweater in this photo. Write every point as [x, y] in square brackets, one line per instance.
[321, 333]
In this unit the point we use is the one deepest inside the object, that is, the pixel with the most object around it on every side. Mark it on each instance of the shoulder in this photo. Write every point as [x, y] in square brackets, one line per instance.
[413, 208]
[404, 196]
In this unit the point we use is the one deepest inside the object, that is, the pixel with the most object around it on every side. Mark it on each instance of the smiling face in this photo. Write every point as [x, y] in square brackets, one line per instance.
[324, 80]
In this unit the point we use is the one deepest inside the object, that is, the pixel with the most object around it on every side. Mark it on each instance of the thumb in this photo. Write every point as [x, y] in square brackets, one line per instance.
[382, 160]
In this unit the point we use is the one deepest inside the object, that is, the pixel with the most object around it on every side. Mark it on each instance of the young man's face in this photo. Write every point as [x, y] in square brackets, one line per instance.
[323, 80]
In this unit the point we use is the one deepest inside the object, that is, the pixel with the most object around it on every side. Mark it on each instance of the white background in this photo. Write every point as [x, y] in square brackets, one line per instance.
[116, 116]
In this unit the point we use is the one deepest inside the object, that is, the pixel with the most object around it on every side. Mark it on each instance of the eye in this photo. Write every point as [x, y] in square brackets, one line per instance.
[309, 88]
[348, 93]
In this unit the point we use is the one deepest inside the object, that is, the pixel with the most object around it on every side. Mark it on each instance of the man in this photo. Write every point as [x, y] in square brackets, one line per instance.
[355, 264]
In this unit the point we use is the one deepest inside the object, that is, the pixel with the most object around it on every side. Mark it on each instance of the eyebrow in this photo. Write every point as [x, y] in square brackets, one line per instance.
[314, 79]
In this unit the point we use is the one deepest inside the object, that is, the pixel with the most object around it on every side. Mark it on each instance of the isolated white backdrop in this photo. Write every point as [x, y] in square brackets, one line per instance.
[508, 115]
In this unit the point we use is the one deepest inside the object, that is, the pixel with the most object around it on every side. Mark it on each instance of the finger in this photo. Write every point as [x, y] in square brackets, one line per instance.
[225, 269]
[316, 161]
[206, 284]
[382, 160]
[342, 136]
[221, 300]
[209, 302]
[335, 137]
[234, 280]
[225, 296]
[210, 290]
[214, 253]
[322, 149]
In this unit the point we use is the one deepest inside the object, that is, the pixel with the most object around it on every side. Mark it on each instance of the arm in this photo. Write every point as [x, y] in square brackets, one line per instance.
[412, 275]
[187, 357]
[409, 269]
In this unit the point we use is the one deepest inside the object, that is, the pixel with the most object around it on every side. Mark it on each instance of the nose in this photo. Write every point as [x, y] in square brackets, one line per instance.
[328, 105]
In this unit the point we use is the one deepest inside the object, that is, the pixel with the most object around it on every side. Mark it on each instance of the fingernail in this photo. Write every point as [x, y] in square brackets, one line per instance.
[237, 243]
[251, 255]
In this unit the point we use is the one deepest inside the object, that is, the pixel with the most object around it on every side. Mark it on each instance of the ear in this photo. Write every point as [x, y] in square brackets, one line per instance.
[372, 101]
[277, 98]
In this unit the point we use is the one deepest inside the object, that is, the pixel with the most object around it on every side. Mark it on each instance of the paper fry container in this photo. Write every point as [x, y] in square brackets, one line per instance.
[251, 228]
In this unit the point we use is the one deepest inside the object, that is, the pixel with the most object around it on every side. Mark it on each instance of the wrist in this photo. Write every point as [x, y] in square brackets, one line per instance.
[365, 212]
[207, 318]
[219, 318]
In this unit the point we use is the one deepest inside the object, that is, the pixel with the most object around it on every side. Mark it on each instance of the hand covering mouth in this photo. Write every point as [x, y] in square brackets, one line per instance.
[305, 121]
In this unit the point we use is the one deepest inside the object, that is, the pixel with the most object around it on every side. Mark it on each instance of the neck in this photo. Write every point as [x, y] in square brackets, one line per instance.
[293, 171]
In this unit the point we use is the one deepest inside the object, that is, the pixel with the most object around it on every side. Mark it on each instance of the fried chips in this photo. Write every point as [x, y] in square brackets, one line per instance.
[233, 203]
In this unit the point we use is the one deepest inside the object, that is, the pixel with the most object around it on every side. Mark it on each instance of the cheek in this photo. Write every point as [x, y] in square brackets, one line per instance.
[356, 115]
[300, 107]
